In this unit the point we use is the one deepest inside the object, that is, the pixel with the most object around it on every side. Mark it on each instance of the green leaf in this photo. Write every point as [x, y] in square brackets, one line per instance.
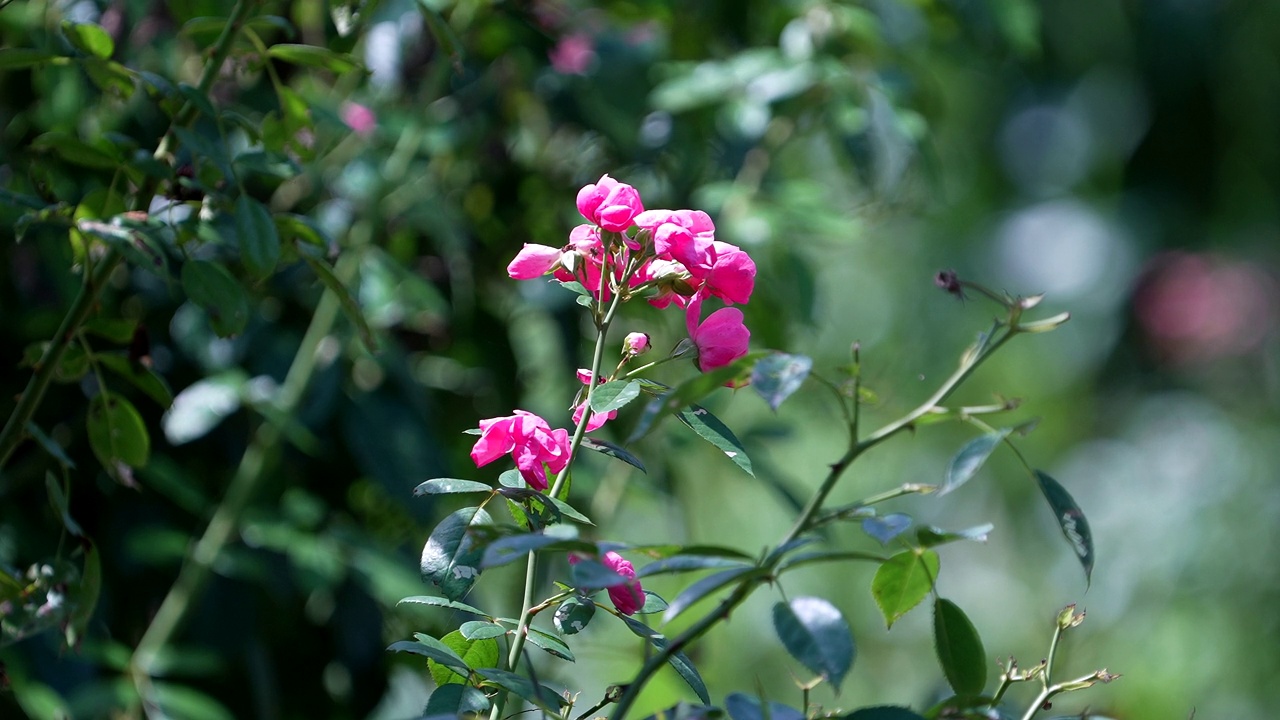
[60, 505]
[710, 428]
[117, 330]
[477, 653]
[1075, 527]
[348, 303]
[514, 547]
[567, 510]
[434, 650]
[605, 447]
[116, 433]
[443, 33]
[589, 573]
[553, 645]
[259, 241]
[930, 536]
[210, 286]
[653, 603]
[959, 647]
[75, 151]
[691, 391]
[969, 460]
[175, 700]
[538, 695]
[448, 486]
[574, 614]
[89, 38]
[19, 58]
[678, 660]
[614, 395]
[663, 551]
[686, 563]
[778, 376]
[705, 587]
[883, 712]
[442, 602]
[481, 629]
[139, 375]
[685, 711]
[313, 56]
[199, 407]
[453, 700]
[50, 446]
[86, 596]
[817, 635]
[903, 581]
[450, 558]
[744, 707]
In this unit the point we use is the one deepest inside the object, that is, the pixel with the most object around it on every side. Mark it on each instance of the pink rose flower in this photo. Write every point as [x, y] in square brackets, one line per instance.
[597, 420]
[732, 275]
[628, 597]
[531, 442]
[533, 261]
[610, 204]
[721, 338]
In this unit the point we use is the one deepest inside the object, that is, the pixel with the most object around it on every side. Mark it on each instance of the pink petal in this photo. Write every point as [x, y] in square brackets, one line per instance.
[533, 261]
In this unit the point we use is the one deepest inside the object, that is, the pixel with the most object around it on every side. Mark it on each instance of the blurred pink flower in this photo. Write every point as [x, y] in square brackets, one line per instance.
[531, 442]
[573, 55]
[721, 338]
[359, 118]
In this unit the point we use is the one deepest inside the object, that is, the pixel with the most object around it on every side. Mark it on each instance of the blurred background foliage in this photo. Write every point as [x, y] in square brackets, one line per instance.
[1120, 157]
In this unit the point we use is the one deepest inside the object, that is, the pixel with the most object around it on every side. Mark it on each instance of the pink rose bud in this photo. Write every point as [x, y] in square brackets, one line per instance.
[636, 344]
[533, 261]
[610, 204]
[628, 597]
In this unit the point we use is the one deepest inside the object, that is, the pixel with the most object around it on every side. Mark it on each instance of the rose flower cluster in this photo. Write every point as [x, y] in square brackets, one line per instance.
[669, 257]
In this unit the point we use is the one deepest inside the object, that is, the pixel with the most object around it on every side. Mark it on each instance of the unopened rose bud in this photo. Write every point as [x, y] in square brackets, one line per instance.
[636, 344]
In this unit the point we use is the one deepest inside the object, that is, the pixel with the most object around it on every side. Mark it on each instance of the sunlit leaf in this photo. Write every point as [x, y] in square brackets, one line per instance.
[710, 428]
[959, 648]
[1075, 527]
[573, 615]
[776, 377]
[453, 700]
[538, 695]
[432, 649]
[313, 56]
[442, 602]
[19, 58]
[553, 645]
[89, 38]
[117, 433]
[969, 460]
[614, 395]
[475, 653]
[450, 558]
[903, 581]
[481, 629]
[199, 407]
[817, 635]
[447, 486]
[930, 536]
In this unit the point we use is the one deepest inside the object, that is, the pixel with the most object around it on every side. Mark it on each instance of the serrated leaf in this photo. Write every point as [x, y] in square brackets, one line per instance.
[473, 653]
[966, 463]
[117, 433]
[257, 235]
[481, 629]
[710, 428]
[536, 694]
[567, 510]
[614, 395]
[883, 712]
[886, 528]
[454, 700]
[691, 391]
[817, 635]
[432, 649]
[553, 645]
[574, 614]
[449, 486]
[450, 559]
[959, 648]
[1075, 527]
[931, 536]
[89, 38]
[653, 603]
[776, 377]
[705, 587]
[211, 287]
[442, 602]
[744, 707]
[605, 447]
[313, 56]
[686, 563]
[903, 581]
[678, 660]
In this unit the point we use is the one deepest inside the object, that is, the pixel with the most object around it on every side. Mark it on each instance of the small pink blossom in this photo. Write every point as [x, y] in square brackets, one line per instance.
[721, 338]
[531, 442]
[359, 118]
[635, 344]
[610, 204]
[597, 420]
[573, 55]
[533, 261]
[628, 597]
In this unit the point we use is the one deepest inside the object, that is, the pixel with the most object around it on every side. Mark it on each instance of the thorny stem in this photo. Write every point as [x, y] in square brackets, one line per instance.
[807, 518]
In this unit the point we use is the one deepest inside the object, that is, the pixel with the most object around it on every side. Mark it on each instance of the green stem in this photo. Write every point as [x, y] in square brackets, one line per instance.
[804, 522]
[254, 467]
